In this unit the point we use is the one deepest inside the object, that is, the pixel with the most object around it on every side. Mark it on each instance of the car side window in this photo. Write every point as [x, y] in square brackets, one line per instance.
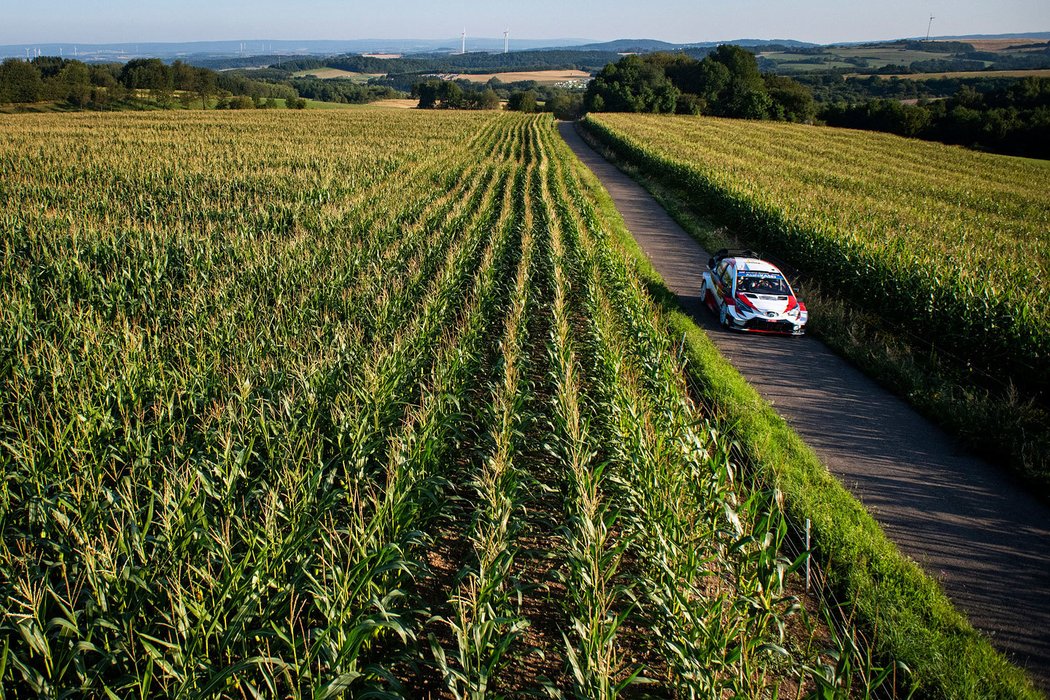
[724, 275]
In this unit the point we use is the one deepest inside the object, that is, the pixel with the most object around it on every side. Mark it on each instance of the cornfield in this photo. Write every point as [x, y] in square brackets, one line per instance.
[950, 244]
[356, 403]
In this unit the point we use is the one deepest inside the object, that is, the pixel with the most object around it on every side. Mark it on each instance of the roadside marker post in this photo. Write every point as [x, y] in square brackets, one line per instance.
[807, 556]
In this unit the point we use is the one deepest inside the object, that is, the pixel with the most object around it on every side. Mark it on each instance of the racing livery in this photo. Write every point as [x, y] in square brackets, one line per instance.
[750, 294]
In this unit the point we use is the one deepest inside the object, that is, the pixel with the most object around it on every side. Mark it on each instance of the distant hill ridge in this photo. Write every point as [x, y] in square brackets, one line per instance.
[1016, 35]
[649, 45]
[408, 47]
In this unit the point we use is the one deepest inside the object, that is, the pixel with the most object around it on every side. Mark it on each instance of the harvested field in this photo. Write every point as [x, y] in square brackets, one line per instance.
[540, 76]
[336, 73]
[395, 104]
[1001, 44]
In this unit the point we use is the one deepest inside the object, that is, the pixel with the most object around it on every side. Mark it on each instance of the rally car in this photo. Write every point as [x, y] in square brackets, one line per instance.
[750, 294]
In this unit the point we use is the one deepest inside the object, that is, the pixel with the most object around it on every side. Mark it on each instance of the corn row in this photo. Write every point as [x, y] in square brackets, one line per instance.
[484, 623]
[704, 555]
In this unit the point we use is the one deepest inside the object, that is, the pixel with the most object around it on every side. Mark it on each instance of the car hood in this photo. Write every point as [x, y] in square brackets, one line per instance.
[770, 303]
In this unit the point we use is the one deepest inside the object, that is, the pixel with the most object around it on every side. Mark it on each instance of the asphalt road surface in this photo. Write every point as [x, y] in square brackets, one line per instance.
[971, 527]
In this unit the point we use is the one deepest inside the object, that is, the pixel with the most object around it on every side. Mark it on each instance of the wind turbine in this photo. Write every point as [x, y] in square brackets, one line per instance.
[463, 41]
[506, 41]
[928, 27]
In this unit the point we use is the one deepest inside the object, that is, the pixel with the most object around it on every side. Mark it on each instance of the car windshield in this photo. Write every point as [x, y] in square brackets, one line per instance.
[761, 283]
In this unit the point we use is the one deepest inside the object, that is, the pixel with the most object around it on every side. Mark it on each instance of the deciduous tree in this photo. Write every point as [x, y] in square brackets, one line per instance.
[19, 81]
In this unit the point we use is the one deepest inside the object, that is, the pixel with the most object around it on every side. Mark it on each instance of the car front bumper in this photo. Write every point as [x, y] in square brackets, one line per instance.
[758, 324]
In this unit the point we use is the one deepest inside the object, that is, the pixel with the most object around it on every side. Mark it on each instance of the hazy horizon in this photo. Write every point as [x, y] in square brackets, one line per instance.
[676, 21]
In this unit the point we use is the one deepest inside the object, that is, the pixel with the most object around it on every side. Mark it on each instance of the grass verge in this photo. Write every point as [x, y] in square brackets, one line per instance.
[907, 616]
[990, 417]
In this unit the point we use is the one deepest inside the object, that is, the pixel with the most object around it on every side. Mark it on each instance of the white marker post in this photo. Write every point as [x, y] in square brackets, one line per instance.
[808, 554]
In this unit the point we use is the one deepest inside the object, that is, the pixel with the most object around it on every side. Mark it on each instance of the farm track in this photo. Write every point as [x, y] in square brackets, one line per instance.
[980, 534]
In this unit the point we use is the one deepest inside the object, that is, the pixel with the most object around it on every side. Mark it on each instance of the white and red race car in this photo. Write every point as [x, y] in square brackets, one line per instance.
[750, 294]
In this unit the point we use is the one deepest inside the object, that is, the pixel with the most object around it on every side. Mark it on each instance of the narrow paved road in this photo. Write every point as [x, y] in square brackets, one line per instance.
[982, 536]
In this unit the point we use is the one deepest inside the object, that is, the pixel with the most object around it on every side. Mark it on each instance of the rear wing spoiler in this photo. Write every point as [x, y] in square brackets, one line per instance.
[727, 253]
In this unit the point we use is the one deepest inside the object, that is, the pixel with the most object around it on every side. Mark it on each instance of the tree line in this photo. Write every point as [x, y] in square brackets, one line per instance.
[830, 87]
[342, 91]
[725, 83]
[475, 62]
[450, 94]
[422, 63]
[1002, 115]
[101, 86]
[1013, 120]
[525, 96]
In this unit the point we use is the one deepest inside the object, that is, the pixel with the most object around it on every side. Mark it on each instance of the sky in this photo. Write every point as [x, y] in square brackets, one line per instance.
[680, 21]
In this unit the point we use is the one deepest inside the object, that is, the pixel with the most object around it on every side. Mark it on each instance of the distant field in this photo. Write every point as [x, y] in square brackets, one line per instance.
[1034, 72]
[999, 44]
[331, 73]
[847, 56]
[34, 107]
[395, 104]
[802, 67]
[784, 56]
[540, 76]
[879, 56]
[317, 104]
